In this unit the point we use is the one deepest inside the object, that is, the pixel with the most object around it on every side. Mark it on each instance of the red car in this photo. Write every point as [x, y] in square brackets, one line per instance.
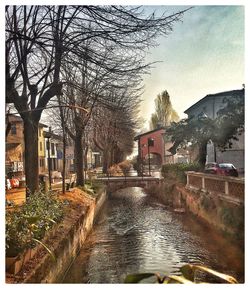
[224, 169]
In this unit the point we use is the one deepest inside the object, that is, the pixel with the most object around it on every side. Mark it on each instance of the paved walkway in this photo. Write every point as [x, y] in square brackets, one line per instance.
[17, 196]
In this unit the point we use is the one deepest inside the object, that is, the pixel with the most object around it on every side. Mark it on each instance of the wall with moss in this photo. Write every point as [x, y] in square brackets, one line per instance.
[224, 215]
[67, 245]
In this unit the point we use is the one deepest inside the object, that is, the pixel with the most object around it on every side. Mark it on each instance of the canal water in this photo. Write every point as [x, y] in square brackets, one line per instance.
[135, 233]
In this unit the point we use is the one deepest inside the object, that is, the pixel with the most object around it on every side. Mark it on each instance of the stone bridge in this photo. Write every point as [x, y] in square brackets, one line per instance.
[116, 183]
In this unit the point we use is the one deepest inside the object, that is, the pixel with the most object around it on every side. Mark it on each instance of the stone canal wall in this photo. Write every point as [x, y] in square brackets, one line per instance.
[216, 200]
[219, 200]
[222, 214]
[68, 245]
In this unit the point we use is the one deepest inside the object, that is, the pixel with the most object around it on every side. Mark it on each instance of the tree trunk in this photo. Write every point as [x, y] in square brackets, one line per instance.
[111, 155]
[79, 159]
[85, 161]
[31, 155]
[202, 157]
[64, 161]
[106, 159]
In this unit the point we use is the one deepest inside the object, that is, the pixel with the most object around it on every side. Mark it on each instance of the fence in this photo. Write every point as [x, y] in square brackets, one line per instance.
[229, 186]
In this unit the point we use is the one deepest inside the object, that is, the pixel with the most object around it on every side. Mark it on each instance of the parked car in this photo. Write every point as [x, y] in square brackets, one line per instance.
[225, 169]
[228, 170]
[211, 168]
[14, 183]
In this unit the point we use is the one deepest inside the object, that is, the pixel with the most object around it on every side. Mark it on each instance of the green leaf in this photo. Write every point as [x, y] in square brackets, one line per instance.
[188, 272]
[222, 276]
[136, 278]
[179, 280]
[32, 219]
[51, 220]
[46, 248]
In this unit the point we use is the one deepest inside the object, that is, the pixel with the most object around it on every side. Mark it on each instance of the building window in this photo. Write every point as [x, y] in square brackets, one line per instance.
[41, 146]
[13, 128]
[40, 132]
[52, 148]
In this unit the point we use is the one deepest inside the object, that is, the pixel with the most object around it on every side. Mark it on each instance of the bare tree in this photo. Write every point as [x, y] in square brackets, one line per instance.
[33, 56]
[40, 38]
[114, 126]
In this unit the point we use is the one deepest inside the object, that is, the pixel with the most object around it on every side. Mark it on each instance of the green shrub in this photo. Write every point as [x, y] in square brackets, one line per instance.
[88, 188]
[188, 276]
[177, 171]
[31, 221]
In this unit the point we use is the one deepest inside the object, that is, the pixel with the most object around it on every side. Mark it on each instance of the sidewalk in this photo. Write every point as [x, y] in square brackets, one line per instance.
[17, 195]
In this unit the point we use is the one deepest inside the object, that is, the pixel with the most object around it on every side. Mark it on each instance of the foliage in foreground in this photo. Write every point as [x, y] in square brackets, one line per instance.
[188, 276]
[89, 189]
[26, 225]
[177, 171]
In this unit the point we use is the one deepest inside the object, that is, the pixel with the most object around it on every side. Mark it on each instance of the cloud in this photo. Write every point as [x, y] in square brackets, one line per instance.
[204, 54]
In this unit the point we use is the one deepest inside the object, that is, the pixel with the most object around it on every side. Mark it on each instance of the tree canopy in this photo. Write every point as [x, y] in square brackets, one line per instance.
[103, 47]
[222, 130]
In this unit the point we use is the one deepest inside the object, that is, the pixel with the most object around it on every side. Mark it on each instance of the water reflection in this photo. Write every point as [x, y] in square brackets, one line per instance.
[135, 233]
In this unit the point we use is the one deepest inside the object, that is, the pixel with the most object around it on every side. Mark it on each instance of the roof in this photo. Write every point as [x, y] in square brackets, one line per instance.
[148, 132]
[224, 93]
[47, 134]
[42, 124]
[14, 118]
[10, 146]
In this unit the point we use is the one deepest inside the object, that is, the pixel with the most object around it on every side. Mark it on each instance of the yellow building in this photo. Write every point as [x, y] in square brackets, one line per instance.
[41, 148]
[14, 148]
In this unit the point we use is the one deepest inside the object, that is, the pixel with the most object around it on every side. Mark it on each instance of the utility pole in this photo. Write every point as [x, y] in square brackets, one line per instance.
[49, 159]
[150, 144]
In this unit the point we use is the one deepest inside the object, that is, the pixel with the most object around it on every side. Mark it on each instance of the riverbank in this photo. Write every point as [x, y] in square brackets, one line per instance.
[221, 214]
[136, 233]
[64, 240]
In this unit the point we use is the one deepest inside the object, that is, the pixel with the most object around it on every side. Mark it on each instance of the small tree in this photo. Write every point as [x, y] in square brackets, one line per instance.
[197, 131]
[164, 112]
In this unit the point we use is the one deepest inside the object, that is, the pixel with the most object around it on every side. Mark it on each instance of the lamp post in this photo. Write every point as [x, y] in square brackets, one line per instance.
[49, 159]
[150, 144]
[141, 156]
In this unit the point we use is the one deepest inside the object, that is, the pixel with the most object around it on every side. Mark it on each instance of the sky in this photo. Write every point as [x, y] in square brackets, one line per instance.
[203, 55]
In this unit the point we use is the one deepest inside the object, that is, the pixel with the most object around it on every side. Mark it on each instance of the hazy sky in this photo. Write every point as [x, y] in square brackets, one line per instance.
[204, 54]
